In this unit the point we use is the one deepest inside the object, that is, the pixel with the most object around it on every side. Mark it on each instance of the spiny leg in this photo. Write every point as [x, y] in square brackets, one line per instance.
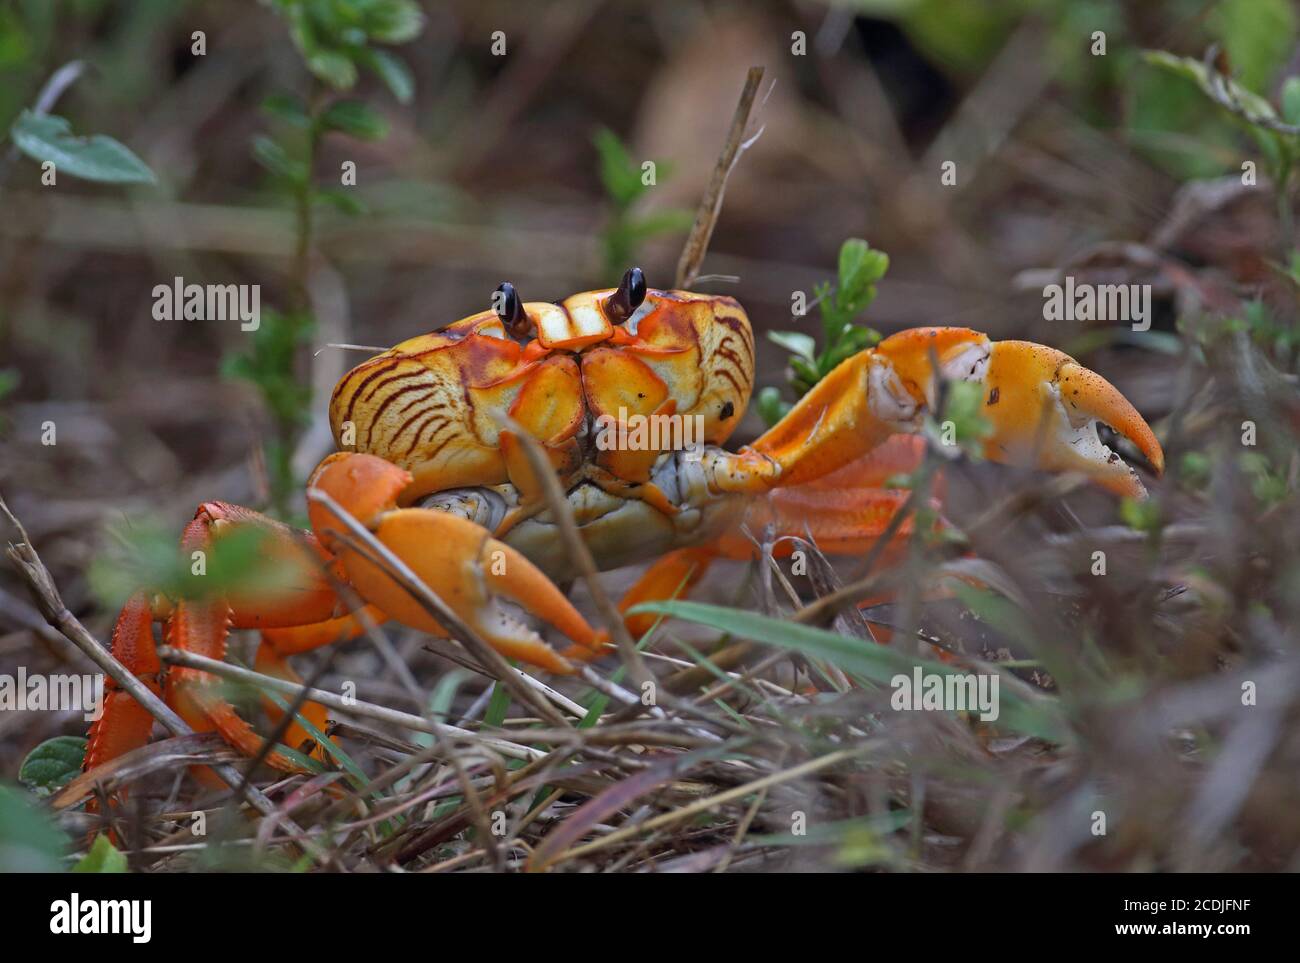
[123, 723]
[302, 593]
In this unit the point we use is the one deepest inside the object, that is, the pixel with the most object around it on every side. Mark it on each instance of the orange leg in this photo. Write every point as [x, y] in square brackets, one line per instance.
[124, 724]
[844, 512]
[673, 574]
[273, 659]
[300, 593]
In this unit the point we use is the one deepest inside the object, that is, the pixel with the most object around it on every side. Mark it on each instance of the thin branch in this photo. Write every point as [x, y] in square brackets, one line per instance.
[688, 266]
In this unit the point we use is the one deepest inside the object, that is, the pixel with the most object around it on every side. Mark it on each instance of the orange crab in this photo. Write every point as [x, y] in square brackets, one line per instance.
[431, 461]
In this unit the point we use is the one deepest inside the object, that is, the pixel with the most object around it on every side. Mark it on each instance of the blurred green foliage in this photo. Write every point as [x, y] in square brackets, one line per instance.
[29, 840]
[103, 857]
[145, 553]
[625, 184]
[860, 268]
[48, 137]
[335, 38]
[1279, 148]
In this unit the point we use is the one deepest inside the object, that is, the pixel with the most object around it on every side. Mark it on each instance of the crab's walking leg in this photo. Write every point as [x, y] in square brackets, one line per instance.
[299, 599]
[123, 723]
[202, 624]
[1043, 406]
[844, 512]
[671, 575]
[489, 585]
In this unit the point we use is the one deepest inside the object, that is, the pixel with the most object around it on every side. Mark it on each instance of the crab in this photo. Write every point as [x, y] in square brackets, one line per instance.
[432, 460]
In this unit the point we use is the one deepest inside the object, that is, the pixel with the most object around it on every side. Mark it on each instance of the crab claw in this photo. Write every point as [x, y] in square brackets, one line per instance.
[489, 585]
[1044, 408]
[1043, 405]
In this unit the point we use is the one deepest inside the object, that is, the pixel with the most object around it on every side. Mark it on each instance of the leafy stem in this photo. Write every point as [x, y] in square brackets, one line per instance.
[860, 267]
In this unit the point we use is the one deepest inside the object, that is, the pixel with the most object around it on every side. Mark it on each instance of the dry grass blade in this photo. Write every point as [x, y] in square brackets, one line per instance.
[704, 805]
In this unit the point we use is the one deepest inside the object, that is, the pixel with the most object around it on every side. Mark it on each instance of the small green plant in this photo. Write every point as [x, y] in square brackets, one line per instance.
[1275, 129]
[625, 183]
[49, 138]
[962, 424]
[1144, 515]
[337, 39]
[30, 842]
[1268, 483]
[53, 764]
[860, 268]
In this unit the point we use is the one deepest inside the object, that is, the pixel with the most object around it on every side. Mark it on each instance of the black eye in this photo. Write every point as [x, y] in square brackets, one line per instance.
[629, 296]
[506, 303]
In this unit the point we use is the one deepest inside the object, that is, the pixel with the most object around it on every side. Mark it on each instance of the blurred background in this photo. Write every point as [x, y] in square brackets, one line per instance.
[498, 141]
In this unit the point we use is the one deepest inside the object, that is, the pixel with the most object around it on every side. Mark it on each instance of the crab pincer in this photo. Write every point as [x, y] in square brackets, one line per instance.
[490, 586]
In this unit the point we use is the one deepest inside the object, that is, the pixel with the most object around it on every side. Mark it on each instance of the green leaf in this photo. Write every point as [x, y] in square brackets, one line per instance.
[620, 175]
[355, 119]
[965, 409]
[52, 764]
[29, 840]
[1142, 516]
[333, 67]
[1291, 101]
[805, 371]
[1194, 70]
[498, 703]
[48, 137]
[859, 268]
[771, 406]
[1023, 712]
[343, 200]
[269, 153]
[394, 21]
[795, 341]
[9, 380]
[102, 858]
[392, 71]
[287, 108]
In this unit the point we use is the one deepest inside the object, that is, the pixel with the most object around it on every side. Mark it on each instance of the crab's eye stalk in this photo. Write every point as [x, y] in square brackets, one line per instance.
[508, 307]
[631, 292]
